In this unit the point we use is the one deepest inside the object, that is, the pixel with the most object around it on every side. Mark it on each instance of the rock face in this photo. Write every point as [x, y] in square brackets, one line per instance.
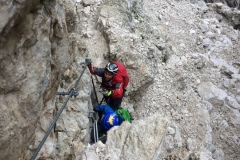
[230, 3]
[152, 129]
[125, 142]
[182, 58]
[36, 47]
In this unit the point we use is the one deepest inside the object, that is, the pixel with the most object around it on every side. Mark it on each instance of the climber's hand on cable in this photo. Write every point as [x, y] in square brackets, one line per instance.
[107, 92]
[88, 61]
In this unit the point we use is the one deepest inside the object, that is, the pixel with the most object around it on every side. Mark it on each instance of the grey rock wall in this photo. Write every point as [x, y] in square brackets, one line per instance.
[230, 3]
[13, 12]
[182, 58]
[36, 47]
[189, 49]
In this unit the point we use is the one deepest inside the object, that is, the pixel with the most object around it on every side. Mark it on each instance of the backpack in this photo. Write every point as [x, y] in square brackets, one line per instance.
[124, 113]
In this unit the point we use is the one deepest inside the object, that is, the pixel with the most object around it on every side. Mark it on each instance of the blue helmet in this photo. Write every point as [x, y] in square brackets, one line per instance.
[110, 119]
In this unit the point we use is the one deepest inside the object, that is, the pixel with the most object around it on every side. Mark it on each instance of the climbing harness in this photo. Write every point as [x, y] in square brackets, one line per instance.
[71, 93]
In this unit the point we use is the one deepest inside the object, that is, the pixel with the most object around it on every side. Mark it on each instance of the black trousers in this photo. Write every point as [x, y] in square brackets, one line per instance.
[115, 103]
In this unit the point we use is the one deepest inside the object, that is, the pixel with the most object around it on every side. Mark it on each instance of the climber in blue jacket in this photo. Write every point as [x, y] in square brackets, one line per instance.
[108, 117]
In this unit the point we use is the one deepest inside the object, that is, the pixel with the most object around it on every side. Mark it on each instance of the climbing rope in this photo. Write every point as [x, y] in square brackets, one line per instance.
[71, 93]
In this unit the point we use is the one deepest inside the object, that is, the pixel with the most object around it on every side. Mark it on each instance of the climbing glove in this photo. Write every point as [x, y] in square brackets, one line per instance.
[88, 61]
[107, 92]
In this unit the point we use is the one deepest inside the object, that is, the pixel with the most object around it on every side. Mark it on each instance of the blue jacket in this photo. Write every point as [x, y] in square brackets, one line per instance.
[110, 117]
[104, 108]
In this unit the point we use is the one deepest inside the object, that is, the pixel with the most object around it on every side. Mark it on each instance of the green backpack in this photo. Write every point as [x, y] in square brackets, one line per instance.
[124, 113]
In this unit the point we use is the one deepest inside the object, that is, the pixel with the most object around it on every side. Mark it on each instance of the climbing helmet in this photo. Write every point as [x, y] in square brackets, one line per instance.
[111, 119]
[112, 68]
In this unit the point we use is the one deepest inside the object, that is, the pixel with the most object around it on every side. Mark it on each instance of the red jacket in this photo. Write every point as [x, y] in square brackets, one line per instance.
[117, 84]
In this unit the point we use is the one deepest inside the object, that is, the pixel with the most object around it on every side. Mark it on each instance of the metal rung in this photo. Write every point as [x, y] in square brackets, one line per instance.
[75, 93]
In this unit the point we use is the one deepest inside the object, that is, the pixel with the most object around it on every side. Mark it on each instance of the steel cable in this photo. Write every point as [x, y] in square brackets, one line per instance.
[56, 118]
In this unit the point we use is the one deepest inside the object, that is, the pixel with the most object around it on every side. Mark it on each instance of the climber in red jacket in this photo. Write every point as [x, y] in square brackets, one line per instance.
[114, 81]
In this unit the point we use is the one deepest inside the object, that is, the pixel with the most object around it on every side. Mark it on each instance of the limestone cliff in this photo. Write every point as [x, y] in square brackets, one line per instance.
[182, 58]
